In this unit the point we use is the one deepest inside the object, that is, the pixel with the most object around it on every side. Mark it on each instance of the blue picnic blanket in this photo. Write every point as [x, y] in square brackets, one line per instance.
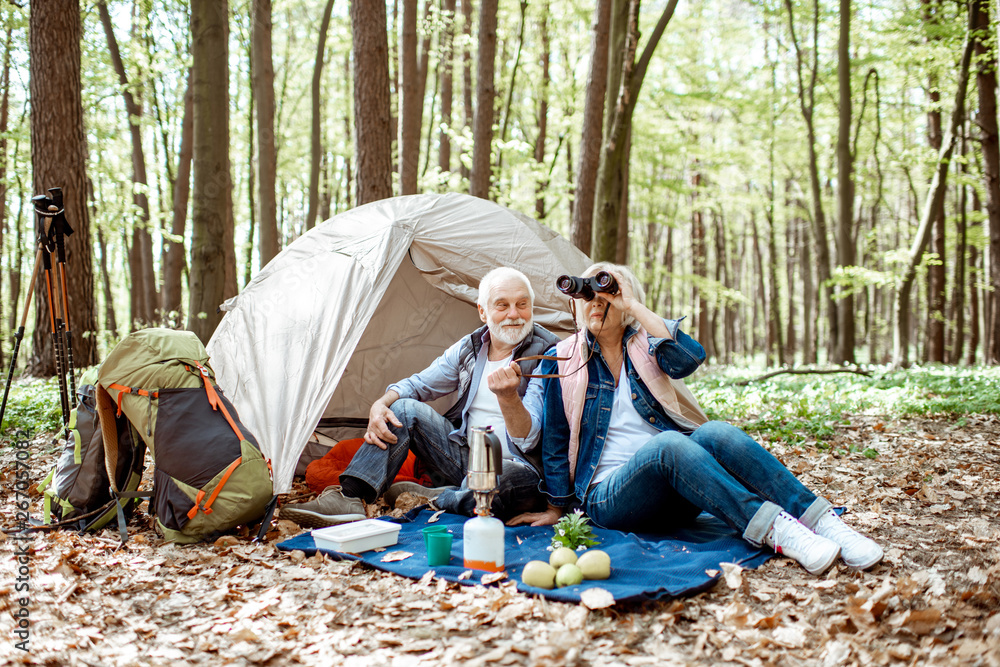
[643, 567]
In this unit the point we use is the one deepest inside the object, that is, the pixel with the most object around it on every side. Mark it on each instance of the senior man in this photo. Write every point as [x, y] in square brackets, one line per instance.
[401, 421]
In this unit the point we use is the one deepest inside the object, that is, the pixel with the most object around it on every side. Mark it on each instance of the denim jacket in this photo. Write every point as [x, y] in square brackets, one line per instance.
[678, 357]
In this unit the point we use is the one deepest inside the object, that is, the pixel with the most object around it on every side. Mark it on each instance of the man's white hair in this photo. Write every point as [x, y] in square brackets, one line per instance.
[498, 276]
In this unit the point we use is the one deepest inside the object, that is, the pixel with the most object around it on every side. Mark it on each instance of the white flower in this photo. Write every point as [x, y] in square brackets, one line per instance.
[582, 547]
[562, 532]
[549, 548]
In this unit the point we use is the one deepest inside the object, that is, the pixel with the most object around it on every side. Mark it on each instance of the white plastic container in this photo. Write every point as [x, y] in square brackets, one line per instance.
[357, 536]
[483, 537]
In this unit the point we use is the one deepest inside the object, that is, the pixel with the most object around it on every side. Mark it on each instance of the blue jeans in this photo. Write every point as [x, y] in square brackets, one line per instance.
[425, 433]
[718, 469]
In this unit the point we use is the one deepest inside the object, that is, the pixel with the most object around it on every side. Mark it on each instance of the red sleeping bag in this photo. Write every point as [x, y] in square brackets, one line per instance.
[324, 472]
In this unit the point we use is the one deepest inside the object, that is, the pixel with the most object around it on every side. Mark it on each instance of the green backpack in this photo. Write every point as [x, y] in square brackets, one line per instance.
[208, 471]
[77, 491]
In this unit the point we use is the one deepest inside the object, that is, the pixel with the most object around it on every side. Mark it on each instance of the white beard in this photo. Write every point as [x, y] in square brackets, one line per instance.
[498, 330]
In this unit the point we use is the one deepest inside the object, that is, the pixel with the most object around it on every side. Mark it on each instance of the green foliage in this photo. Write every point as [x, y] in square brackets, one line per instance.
[573, 531]
[33, 406]
[795, 409]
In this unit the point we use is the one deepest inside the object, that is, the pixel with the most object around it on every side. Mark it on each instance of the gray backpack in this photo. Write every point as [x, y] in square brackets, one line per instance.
[77, 490]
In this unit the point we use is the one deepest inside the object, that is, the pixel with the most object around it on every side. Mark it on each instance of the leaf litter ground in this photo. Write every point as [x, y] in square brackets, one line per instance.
[931, 497]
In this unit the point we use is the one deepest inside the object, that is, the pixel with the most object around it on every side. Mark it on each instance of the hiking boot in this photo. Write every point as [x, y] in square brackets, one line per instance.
[330, 508]
[857, 550]
[790, 538]
[399, 488]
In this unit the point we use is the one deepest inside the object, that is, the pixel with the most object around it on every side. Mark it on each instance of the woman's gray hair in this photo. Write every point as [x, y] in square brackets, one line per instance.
[626, 273]
[497, 276]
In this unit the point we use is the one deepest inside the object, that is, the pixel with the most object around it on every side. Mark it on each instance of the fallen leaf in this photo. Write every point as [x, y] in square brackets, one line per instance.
[791, 636]
[597, 598]
[393, 556]
[978, 576]
[465, 575]
[923, 621]
[493, 577]
[733, 574]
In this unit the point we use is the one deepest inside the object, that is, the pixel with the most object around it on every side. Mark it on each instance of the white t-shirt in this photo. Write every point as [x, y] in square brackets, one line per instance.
[485, 409]
[627, 432]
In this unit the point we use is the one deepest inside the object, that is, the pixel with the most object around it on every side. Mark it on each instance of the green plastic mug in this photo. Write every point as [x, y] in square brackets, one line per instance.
[437, 541]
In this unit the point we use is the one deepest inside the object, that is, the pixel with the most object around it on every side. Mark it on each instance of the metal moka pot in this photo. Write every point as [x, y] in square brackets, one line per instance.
[485, 463]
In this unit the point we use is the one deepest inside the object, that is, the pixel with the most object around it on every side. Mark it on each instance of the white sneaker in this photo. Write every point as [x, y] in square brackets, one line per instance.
[857, 550]
[790, 538]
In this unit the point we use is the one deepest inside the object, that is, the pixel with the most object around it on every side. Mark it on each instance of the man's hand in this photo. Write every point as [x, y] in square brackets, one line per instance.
[504, 382]
[547, 518]
[379, 418]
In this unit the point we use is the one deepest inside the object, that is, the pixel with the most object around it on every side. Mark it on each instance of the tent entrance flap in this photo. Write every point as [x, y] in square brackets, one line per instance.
[413, 324]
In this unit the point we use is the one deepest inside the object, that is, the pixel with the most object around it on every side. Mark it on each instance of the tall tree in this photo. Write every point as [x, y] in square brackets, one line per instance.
[543, 111]
[316, 141]
[468, 110]
[581, 227]
[807, 105]
[4, 106]
[932, 201]
[447, 86]
[58, 159]
[212, 206]
[411, 100]
[935, 270]
[846, 249]
[625, 77]
[482, 133]
[986, 82]
[267, 151]
[372, 113]
[143, 294]
[173, 265]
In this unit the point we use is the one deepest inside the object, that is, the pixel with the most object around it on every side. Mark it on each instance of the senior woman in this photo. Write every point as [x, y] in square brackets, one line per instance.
[622, 436]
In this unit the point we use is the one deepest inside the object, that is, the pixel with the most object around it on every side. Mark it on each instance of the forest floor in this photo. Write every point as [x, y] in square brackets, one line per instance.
[931, 497]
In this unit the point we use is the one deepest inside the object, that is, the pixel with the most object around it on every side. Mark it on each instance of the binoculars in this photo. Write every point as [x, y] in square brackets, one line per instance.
[585, 288]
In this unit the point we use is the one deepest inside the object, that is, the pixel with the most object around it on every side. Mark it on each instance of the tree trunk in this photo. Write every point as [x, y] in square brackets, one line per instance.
[846, 249]
[807, 96]
[316, 137]
[58, 159]
[447, 88]
[543, 113]
[410, 101]
[699, 259]
[4, 102]
[372, 112]
[469, 111]
[212, 207]
[173, 269]
[933, 200]
[482, 133]
[508, 103]
[810, 298]
[591, 137]
[625, 76]
[973, 287]
[986, 81]
[935, 269]
[267, 151]
[957, 342]
[143, 293]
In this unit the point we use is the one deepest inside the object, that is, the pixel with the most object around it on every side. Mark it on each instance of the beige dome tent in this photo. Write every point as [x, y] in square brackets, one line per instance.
[367, 298]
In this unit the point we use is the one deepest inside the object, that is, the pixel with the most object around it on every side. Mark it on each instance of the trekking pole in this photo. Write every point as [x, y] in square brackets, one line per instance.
[61, 229]
[45, 244]
[20, 333]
